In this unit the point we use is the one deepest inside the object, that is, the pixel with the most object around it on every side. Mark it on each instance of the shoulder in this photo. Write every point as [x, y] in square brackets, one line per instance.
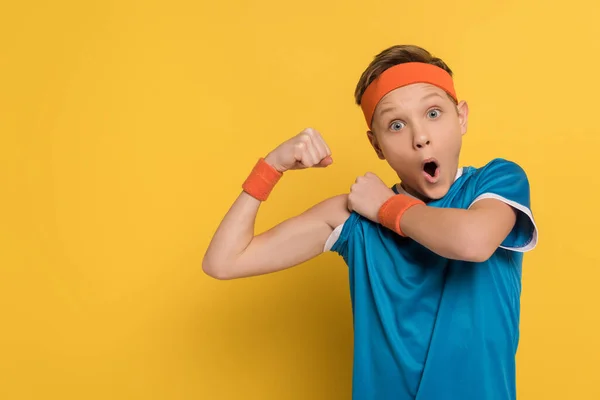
[499, 177]
[501, 165]
[498, 171]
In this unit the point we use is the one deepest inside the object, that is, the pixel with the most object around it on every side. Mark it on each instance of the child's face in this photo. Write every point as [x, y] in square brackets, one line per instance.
[416, 124]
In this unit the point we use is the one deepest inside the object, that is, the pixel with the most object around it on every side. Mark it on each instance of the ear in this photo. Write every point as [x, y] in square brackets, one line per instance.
[375, 144]
[463, 116]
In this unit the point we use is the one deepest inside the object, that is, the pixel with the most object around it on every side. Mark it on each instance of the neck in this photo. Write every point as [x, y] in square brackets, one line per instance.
[412, 192]
[401, 187]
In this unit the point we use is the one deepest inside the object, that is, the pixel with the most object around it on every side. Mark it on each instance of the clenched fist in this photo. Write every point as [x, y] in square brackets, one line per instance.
[367, 196]
[305, 150]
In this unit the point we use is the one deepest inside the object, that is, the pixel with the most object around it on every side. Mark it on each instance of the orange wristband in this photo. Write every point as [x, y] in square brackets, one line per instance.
[392, 210]
[261, 180]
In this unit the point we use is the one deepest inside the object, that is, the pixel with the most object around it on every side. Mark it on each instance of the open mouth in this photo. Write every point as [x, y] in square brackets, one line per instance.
[431, 169]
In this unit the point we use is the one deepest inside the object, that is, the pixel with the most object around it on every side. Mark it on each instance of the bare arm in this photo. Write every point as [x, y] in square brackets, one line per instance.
[469, 235]
[235, 252]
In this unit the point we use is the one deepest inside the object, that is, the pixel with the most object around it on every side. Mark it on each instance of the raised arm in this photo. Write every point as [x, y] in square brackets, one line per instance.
[236, 252]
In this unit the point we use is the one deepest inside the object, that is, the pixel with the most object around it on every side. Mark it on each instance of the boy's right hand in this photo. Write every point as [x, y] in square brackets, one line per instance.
[305, 150]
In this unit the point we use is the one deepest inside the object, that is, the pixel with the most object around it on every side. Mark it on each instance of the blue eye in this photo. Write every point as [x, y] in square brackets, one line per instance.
[433, 114]
[396, 125]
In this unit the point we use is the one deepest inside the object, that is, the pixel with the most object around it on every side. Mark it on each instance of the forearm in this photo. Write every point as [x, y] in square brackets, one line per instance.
[450, 232]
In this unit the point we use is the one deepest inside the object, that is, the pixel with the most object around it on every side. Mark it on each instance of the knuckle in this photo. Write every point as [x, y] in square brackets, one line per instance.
[307, 160]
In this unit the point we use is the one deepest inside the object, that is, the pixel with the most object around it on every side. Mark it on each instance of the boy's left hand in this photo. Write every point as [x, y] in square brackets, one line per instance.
[367, 196]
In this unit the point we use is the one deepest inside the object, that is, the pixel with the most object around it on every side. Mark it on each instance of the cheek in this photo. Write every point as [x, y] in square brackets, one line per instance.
[452, 136]
[399, 154]
[453, 144]
[395, 146]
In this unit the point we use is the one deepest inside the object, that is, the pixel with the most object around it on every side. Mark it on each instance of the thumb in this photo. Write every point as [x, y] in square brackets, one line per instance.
[327, 161]
[349, 204]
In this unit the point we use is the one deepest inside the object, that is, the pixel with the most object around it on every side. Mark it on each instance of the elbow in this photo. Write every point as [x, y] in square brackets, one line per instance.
[216, 270]
[475, 255]
[474, 249]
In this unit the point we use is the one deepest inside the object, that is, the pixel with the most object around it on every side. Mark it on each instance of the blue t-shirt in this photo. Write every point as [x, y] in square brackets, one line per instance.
[430, 328]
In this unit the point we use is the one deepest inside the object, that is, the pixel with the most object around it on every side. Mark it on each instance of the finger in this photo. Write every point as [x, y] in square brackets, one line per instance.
[300, 154]
[320, 145]
[312, 151]
[306, 159]
[349, 202]
[327, 161]
[303, 154]
[324, 144]
[309, 156]
[372, 176]
[318, 150]
[324, 157]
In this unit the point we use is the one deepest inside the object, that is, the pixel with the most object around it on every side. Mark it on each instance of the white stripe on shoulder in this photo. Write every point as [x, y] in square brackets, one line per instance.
[333, 237]
[531, 245]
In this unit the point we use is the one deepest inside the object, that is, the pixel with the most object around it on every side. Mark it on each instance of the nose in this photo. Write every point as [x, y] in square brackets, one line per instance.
[421, 139]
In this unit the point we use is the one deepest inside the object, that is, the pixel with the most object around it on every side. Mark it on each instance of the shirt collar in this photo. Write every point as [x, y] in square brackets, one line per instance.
[401, 190]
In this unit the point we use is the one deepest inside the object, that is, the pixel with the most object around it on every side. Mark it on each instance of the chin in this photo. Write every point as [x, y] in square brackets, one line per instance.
[436, 192]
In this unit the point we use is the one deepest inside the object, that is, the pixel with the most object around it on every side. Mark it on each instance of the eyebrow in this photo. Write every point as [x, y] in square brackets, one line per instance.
[386, 110]
[430, 95]
[392, 108]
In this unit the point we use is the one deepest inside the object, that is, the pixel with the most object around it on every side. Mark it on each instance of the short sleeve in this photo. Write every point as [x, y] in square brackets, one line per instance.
[339, 238]
[507, 181]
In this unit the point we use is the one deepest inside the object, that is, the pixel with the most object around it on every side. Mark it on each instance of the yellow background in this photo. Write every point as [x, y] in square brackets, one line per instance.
[127, 128]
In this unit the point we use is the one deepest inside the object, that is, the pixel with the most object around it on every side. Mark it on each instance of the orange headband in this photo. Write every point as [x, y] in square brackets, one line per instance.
[403, 75]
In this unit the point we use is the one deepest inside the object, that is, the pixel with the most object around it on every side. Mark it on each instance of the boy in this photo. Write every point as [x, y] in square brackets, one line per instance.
[435, 261]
